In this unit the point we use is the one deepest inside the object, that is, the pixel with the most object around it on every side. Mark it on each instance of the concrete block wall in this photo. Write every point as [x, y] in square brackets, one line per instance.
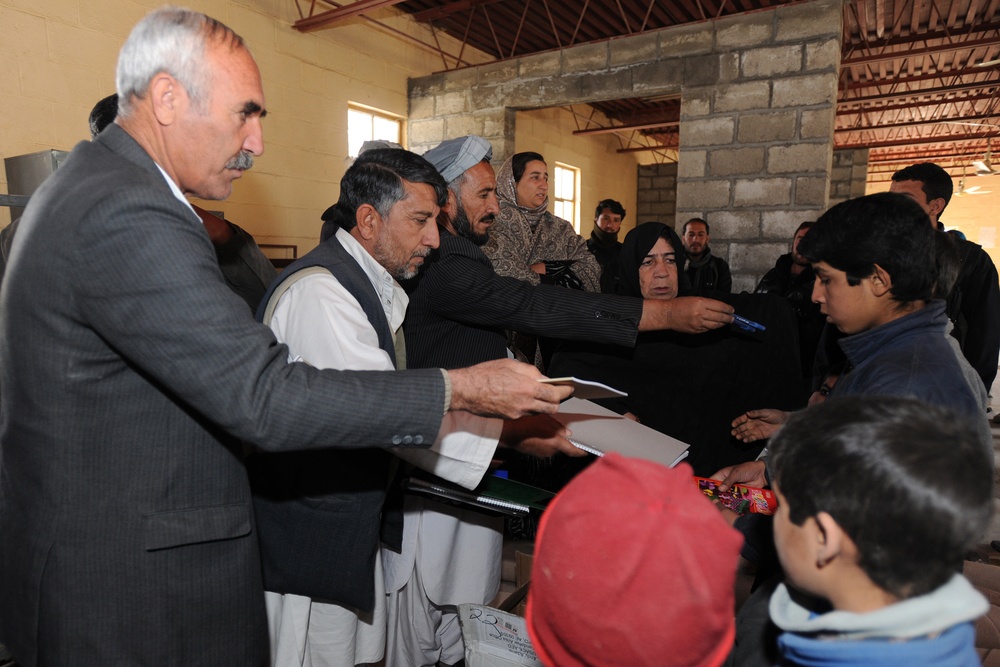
[758, 95]
[849, 175]
[656, 194]
[757, 132]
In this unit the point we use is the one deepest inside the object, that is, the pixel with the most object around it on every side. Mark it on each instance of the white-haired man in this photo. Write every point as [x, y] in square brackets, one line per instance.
[130, 372]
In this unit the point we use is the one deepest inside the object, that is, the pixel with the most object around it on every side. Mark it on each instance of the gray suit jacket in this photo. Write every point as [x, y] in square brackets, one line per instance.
[127, 371]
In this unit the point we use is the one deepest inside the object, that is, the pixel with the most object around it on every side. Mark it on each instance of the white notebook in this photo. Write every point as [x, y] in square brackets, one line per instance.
[598, 430]
[586, 388]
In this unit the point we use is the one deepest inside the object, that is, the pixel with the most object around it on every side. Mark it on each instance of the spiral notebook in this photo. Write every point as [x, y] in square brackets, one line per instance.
[493, 493]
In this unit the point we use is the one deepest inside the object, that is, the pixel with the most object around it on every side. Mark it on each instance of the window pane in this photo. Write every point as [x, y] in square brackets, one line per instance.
[359, 130]
[564, 202]
[567, 184]
[385, 128]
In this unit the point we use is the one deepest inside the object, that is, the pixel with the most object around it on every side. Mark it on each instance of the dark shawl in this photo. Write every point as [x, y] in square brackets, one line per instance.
[691, 386]
[636, 246]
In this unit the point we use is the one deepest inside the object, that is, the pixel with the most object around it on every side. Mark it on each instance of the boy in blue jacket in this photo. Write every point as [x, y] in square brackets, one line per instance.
[878, 501]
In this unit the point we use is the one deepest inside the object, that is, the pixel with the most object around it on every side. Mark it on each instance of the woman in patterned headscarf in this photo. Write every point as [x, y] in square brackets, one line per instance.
[528, 242]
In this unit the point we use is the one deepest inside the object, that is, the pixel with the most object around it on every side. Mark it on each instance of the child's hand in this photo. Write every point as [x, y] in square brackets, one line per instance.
[750, 473]
[758, 424]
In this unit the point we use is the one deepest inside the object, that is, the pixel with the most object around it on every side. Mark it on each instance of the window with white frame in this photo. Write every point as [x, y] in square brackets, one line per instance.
[365, 124]
[566, 194]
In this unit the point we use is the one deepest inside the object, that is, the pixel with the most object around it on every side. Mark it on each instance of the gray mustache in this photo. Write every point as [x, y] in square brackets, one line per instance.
[243, 161]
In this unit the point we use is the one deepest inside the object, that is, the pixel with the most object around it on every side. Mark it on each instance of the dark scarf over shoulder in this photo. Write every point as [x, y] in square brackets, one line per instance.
[600, 236]
[706, 257]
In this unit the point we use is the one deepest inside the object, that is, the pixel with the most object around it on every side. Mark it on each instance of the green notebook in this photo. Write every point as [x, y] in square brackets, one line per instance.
[493, 493]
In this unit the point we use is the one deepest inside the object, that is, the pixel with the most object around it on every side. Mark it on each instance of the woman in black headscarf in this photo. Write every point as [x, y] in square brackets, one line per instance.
[635, 251]
[691, 386]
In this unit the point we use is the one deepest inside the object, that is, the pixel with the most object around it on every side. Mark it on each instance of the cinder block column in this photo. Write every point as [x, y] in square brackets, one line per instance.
[757, 141]
[657, 193]
[850, 175]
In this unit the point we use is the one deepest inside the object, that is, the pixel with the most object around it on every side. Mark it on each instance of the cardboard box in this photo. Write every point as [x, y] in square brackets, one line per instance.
[494, 638]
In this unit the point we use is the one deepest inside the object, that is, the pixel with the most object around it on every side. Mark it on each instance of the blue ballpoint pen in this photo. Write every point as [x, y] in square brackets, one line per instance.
[747, 325]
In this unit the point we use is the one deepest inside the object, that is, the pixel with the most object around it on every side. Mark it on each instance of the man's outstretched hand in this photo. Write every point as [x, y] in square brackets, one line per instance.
[504, 388]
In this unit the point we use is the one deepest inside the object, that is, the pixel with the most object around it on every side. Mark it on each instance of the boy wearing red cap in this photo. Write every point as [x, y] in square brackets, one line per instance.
[633, 567]
[878, 502]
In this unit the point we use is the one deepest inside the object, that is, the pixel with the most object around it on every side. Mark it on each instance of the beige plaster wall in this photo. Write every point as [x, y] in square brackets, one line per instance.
[604, 173]
[975, 215]
[57, 58]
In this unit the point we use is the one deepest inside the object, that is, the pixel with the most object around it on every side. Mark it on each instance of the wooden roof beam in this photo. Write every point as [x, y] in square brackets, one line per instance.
[917, 123]
[920, 92]
[952, 75]
[330, 17]
[445, 11]
[625, 128]
[869, 58]
[926, 141]
[913, 105]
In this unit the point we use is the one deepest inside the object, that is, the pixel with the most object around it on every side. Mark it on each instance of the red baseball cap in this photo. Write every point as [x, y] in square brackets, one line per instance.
[633, 566]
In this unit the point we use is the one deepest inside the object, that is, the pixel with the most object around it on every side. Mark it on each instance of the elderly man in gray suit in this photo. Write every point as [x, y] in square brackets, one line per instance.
[129, 371]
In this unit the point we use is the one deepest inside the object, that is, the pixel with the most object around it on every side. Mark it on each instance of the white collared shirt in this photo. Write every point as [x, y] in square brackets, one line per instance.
[324, 325]
[176, 190]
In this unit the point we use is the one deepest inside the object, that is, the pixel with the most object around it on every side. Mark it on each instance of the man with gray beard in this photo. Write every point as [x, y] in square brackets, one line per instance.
[320, 515]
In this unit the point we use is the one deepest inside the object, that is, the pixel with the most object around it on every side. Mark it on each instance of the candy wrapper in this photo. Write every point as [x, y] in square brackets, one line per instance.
[740, 499]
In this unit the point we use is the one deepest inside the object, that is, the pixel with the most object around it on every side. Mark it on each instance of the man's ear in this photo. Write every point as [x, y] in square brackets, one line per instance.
[881, 281]
[447, 213]
[936, 207]
[831, 539]
[166, 95]
[367, 222]
[451, 205]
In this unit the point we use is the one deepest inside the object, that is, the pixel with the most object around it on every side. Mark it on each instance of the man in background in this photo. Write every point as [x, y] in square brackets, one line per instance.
[603, 242]
[974, 301]
[704, 270]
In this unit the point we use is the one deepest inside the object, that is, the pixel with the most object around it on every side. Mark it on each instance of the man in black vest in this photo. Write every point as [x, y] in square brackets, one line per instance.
[320, 515]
